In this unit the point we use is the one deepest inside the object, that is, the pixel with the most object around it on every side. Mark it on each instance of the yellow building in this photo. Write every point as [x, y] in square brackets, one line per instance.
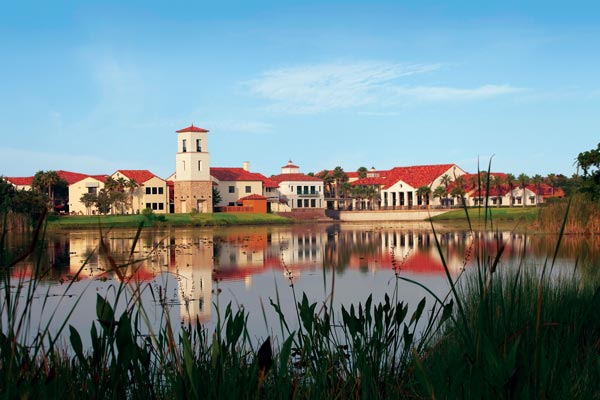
[148, 191]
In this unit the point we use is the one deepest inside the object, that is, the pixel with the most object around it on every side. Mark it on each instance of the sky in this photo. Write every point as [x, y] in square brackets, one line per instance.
[96, 86]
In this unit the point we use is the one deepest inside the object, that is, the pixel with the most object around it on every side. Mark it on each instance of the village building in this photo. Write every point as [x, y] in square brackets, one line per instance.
[192, 185]
[400, 188]
[297, 190]
[143, 190]
[241, 190]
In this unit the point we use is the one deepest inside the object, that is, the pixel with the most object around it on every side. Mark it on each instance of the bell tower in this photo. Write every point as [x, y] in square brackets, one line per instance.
[193, 186]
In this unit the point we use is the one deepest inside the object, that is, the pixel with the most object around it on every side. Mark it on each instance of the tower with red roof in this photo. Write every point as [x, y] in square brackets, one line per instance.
[192, 184]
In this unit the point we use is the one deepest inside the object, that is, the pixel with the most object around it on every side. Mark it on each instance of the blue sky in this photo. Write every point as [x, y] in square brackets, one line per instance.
[93, 86]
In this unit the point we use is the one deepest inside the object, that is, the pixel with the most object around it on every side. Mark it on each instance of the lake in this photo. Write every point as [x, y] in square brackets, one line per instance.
[196, 273]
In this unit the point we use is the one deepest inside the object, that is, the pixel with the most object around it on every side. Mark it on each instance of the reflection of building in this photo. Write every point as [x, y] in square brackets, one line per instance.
[192, 263]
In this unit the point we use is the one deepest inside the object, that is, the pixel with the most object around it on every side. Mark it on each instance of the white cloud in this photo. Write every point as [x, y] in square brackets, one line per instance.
[323, 87]
[315, 88]
[441, 93]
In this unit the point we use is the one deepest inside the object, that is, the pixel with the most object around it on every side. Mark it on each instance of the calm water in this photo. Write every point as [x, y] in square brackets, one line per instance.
[197, 271]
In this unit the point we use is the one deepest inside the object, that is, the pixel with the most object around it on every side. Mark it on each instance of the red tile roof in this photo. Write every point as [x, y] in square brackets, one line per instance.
[253, 197]
[235, 174]
[295, 177]
[138, 175]
[416, 176]
[379, 181]
[290, 164]
[71, 177]
[20, 181]
[192, 128]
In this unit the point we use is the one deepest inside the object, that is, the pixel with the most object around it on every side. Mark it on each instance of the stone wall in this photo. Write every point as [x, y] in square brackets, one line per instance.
[189, 195]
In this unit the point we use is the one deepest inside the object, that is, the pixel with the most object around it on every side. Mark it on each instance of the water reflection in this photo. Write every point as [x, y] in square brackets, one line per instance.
[190, 269]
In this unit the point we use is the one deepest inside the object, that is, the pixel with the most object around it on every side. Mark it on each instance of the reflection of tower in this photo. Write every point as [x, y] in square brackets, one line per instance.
[194, 265]
[192, 186]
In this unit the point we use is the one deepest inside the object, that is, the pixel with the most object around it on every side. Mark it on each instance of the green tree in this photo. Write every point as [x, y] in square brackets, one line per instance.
[497, 183]
[362, 172]
[216, 197]
[423, 192]
[523, 181]
[48, 183]
[537, 182]
[328, 180]
[442, 193]
[589, 162]
[510, 181]
[89, 200]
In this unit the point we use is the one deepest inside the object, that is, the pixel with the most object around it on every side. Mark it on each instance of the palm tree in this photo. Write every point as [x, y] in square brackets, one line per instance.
[551, 181]
[327, 177]
[497, 182]
[440, 192]
[523, 180]
[45, 182]
[423, 192]
[446, 180]
[131, 186]
[537, 181]
[510, 180]
[372, 194]
[340, 177]
[362, 172]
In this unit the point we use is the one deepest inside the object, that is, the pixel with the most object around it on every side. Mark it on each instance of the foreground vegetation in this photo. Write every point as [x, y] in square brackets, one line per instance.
[150, 219]
[503, 331]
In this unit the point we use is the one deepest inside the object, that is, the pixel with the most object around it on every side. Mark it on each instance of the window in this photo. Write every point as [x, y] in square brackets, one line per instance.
[305, 189]
[248, 189]
[148, 205]
[183, 165]
[199, 165]
[199, 145]
[92, 190]
[231, 189]
[161, 206]
[231, 203]
[154, 190]
[184, 145]
[305, 202]
[160, 190]
[312, 190]
[148, 190]
[313, 203]
[299, 189]
[299, 203]
[154, 206]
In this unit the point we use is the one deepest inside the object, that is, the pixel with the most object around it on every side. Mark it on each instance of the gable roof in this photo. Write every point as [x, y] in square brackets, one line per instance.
[192, 128]
[252, 197]
[235, 174]
[138, 175]
[20, 180]
[71, 177]
[416, 176]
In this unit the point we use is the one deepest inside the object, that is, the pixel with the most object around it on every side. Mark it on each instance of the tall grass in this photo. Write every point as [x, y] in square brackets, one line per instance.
[518, 331]
[502, 332]
[583, 216]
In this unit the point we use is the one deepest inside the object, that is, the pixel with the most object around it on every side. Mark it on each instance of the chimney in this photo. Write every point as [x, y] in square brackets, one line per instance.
[246, 166]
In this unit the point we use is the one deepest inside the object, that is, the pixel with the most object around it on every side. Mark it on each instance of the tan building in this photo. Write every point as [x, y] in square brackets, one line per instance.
[81, 186]
[151, 191]
[192, 183]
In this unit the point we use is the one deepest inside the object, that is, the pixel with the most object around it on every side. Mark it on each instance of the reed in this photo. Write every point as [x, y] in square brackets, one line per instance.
[503, 331]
